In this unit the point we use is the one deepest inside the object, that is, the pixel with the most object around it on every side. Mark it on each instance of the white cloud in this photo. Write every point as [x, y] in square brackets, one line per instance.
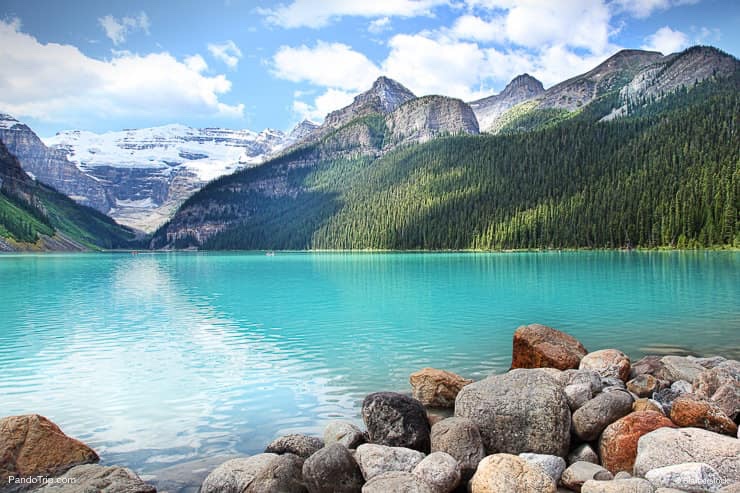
[379, 25]
[474, 28]
[227, 52]
[58, 83]
[330, 100]
[117, 30]
[312, 13]
[645, 8]
[333, 65]
[666, 40]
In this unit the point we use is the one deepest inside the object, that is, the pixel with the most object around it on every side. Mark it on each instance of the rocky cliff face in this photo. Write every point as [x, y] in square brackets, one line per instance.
[140, 177]
[425, 118]
[382, 98]
[51, 166]
[610, 75]
[674, 71]
[488, 110]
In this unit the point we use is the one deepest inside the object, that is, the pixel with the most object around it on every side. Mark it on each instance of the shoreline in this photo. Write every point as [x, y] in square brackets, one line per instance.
[585, 421]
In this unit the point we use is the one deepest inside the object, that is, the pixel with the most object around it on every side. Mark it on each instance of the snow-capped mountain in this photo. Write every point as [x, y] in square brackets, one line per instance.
[148, 172]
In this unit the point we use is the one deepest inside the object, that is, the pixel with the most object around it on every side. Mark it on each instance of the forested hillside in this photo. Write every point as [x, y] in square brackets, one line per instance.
[34, 216]
[667, 175]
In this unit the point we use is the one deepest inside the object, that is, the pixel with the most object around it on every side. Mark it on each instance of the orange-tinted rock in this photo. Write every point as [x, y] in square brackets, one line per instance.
[608, 363]
[689, 410]
[539, 346]
[436, 388]
[618, 443]
[31, 445]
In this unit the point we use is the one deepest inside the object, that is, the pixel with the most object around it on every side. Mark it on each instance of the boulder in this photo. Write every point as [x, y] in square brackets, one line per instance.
[671, 446]
[647, 405]
[643, 385]
[397, 482]
[708, 362]
[301, 445]
[680, 368]
[31, 445]
[583, 453]
[345, 433]
[622, 475]
[690, 476]
[436, 388]
[396, 420]
[682, 386]
[721, 384]
[608, 363]
[551, 464]
[440, 471]
[648, 365]
[598, 413]
[665, 398]
[583, 377]
[577, 395]
[631, 485]
[332, 470]
[461, 438]
[505, 473]
[282, 474]
[539, 346]
[618, 442]
[689, 410]
[94, 477]
[579, 472]
[235, 475]
[378, 459]
[520, 411]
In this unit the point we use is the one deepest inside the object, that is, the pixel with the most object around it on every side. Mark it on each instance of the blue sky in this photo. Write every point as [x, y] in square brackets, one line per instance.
[110, 65]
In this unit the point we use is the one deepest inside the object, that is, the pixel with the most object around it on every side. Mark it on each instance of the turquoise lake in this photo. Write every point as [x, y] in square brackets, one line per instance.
[160, 359]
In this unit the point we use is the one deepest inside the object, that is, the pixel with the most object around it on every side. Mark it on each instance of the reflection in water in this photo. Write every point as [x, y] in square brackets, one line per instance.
[158, 359]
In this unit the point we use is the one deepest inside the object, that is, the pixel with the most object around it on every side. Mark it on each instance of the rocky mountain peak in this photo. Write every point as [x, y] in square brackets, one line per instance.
[522, 88]
[524, 81]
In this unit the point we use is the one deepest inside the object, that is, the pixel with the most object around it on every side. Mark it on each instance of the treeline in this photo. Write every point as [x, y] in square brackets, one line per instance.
[668, 175]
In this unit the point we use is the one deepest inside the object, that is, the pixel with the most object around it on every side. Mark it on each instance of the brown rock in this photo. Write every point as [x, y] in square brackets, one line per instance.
[31, 445]
[643, 385]
[721, 384]
[646, 404]
[688, 410]
[648, 365]
[618, 443]
[539, 346]
[608, 363]
[580, 472]
[436, 388]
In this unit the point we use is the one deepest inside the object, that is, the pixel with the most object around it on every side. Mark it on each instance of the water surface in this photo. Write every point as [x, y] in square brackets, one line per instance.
[159, 359]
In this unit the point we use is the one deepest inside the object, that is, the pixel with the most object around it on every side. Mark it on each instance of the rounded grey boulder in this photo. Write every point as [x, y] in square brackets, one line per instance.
[520, 411]
[459, 437]
[301, 445]
[343, 432]
[94, 477]
[378, 459]
[282, 474]
[332, 470]
[440, 471]
[397, 482]
[235, 475]
[551, 464]
[598, 413]
[583, 453]
[396, 420]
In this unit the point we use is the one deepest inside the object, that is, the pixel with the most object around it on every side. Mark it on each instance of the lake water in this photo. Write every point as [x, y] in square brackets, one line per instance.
[159, 359]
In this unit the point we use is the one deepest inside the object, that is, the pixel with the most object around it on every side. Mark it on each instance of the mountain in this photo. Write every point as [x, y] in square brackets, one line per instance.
[522, 88]
[662, 174]
[37, 218]
[383, 97]
[51, 165]
[139, 177]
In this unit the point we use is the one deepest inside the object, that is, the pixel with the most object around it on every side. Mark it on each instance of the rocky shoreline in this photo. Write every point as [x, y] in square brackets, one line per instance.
[562, 419]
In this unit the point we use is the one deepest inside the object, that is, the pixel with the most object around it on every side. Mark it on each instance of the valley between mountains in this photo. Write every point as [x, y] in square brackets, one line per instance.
[641, 151]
